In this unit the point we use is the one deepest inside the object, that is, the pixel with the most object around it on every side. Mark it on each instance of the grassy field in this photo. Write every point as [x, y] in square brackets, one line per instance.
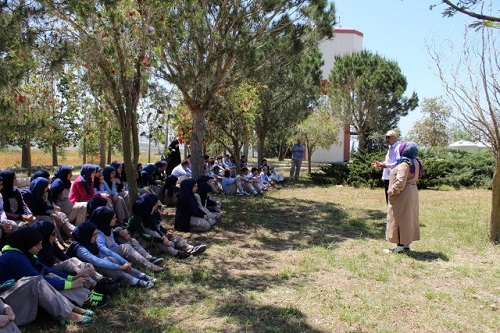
[310, 259]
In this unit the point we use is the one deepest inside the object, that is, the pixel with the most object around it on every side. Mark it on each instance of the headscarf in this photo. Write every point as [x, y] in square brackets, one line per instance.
[24, 239]
[102, 217]
[187, 190]
[170, 185]
[120, 175]
[46, 254]
[34, 196]
[10, 191]
[61, 175]
[106, 174]
[408, 152]
[86, 175]
[147, 173]
[40, 173]
[38, 186]
[82, 235]
[94, 203]
[203, 190]
[8, 183]
[143, 208]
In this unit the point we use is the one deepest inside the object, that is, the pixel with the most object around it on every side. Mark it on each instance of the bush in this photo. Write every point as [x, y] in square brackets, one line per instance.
[443, 167]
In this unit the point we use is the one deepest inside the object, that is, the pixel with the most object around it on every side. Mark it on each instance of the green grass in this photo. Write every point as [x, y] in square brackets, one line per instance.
[310, 259]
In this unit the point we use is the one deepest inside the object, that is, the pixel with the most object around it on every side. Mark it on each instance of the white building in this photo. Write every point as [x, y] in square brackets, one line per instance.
[344, 41]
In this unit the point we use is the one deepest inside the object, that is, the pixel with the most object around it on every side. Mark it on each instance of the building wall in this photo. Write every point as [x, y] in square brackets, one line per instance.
[345, 40]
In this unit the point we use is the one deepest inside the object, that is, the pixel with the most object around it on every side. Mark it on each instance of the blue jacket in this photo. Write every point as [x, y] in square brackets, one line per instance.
[15, 265]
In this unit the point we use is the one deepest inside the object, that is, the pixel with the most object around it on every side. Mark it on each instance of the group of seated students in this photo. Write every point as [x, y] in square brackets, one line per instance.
[68, 244]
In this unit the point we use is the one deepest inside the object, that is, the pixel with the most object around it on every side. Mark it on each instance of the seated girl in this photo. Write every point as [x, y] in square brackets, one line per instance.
[143, 226]
[38, 285]
[52, 256]
[105, 219]
[188, 216]
[105, 261]
[82, 189]
[36, 197]
[59, 193]
[13, 204]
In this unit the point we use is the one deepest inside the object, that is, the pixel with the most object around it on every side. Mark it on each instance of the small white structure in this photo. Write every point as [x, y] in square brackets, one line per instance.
[468, 146]
[344, 41]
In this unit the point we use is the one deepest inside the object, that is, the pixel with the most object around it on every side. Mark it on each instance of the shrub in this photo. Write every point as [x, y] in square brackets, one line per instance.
[443, 167]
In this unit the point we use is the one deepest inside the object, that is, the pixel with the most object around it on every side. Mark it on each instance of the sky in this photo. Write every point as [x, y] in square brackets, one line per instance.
[399, 30]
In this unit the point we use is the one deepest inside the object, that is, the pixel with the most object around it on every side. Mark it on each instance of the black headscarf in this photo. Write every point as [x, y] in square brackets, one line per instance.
[46, 254]
[8, 183]
[60, 182]
[106, 174]
[187, 190]
[34, 196]
[82, 236]
[61, 175]
[40, 173]
[86, 175]
[170, 185]
[94, 203]
[102, 217]
[24, 239]
[10, 191]
[203, 190]
[143, 208]
[120, 175]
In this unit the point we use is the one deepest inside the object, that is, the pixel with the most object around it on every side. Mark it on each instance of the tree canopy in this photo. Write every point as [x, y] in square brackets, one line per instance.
[367, 91]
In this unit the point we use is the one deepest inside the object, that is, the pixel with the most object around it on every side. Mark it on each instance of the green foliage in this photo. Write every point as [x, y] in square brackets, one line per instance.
[456, 168]
[433, 129]
[443, 168]
[367, 91]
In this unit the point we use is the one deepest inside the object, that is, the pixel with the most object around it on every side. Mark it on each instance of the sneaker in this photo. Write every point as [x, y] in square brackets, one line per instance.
[146, 284]
[239, 194]
[182, 255]
[198, 249]
[156, 260]
[397, 249]
[147, 278]
[245, 193]
[97, 300]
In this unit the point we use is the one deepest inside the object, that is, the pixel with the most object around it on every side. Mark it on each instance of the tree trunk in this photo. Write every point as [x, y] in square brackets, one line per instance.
[129, 165]
[260, 149]
[309, 154]
[54, 155]
[102, 146]
[110, 152]
[197, 135]
[24, 155]
[246, 149]
[27, 146]
[361, 141]
[84, 148]
[495, 205]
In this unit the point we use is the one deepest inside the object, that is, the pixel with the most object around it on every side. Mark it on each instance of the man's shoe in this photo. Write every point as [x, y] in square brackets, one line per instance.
[199, 249]
[97, 300]
[182, 255]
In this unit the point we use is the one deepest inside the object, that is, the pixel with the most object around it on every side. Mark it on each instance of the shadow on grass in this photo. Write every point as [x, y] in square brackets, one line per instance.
[257, 318]
[297, 223]
[427, 256]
